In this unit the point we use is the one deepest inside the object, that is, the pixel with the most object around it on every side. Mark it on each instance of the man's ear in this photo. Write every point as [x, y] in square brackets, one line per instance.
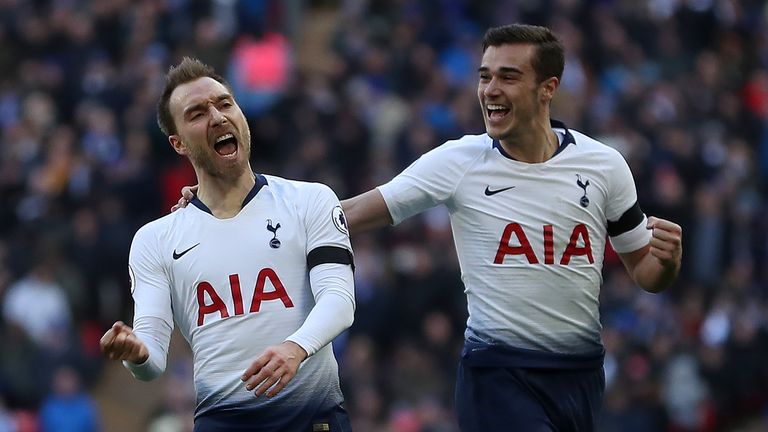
[177, 144]
[548, 88]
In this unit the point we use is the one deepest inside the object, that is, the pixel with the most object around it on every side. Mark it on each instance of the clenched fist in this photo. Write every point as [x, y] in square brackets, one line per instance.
[666, 241]
[119, 343]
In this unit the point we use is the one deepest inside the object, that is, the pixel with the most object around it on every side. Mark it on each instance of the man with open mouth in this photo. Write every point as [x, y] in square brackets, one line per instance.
[531, 205]
[256, 273]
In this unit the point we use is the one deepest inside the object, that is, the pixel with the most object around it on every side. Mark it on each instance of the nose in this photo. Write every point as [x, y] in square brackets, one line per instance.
[217, 117]
[492, 88]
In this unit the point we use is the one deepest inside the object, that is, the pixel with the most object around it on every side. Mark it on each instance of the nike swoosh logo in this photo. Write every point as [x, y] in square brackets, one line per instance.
[179, 255]
[489, 192]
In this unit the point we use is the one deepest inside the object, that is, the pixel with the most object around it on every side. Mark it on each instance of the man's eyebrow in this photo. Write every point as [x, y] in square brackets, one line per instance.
[503, 69]
[201, 105]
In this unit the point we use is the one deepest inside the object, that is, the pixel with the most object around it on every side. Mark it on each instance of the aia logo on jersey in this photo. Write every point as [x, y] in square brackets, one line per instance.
[274, 243]
[578, 245]
[584, 200]
[214, 303]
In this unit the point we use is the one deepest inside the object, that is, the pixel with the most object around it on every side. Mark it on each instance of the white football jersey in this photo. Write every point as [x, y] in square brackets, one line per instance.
[236, 286]
[530, 237]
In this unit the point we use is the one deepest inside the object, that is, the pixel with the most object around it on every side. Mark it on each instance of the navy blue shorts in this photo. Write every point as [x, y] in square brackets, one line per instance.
[511, 390]
[333, 420]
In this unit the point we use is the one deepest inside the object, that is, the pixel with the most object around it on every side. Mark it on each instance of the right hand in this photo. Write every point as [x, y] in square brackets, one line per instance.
[274, 368]
[119, 343]
[187, 193]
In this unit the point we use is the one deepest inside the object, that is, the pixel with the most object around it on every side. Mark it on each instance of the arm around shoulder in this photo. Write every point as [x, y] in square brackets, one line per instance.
[366, 211]
[655, 266]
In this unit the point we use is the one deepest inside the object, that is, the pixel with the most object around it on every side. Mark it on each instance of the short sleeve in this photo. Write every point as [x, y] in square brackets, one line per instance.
[325, 220]
[626, 221]
[429, 181]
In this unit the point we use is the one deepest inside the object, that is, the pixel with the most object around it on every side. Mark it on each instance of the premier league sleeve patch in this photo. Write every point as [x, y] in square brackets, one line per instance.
[132, 277]
[340, 220]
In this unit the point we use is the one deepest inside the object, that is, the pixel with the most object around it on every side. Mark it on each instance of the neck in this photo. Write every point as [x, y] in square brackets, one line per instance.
[536, 143]
[224, 197]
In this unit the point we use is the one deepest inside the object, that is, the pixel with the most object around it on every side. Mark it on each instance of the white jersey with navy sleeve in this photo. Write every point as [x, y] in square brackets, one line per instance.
[236, 286]
[530, 238]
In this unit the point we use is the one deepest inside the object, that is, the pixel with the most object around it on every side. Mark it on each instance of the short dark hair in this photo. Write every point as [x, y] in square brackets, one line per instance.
[549, 60]
[188, 70]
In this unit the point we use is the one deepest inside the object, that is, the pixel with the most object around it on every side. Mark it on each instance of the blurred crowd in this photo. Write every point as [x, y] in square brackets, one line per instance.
[349, 93]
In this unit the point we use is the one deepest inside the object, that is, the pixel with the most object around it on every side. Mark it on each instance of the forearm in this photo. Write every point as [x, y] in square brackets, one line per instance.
[334, 309]
[366, 212]
[653, 276]
[156, 335]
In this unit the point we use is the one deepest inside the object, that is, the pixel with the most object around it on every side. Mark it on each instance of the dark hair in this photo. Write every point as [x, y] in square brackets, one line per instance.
[549, 60]
[188, 70]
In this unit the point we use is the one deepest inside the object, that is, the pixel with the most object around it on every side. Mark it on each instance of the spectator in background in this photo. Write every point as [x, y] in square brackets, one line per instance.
[68, 408]
[38, 304]
[177, 412]
[7, 423]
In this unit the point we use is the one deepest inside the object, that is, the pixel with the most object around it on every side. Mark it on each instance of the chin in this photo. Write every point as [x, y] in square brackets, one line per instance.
[495, 133]
[502, 132]
[235, 169]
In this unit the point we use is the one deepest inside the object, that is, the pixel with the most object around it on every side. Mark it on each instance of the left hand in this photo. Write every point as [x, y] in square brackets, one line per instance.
[187, 193]
[274, 368]
[666, 242]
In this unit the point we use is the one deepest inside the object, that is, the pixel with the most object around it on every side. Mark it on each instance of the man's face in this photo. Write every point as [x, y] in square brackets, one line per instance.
[509, 93]
[210, 128]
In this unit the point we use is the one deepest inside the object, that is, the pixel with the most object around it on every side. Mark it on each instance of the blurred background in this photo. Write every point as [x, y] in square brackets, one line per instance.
[349, 93]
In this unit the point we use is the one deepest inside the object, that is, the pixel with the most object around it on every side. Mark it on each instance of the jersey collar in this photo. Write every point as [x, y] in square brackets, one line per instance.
[261, 181]
[556, 124]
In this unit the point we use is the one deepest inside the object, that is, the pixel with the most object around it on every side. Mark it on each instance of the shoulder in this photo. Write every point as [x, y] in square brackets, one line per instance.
[466, 146]
[460, 151]
[305, 199]
[160, 228]
[160, 225]
[296, 188]
[591, 147]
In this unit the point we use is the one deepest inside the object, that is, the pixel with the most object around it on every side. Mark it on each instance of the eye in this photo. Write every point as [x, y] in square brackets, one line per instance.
[485, 77]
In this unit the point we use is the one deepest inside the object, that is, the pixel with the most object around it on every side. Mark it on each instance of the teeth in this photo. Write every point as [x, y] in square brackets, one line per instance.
[496, 107]
[223, 137]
